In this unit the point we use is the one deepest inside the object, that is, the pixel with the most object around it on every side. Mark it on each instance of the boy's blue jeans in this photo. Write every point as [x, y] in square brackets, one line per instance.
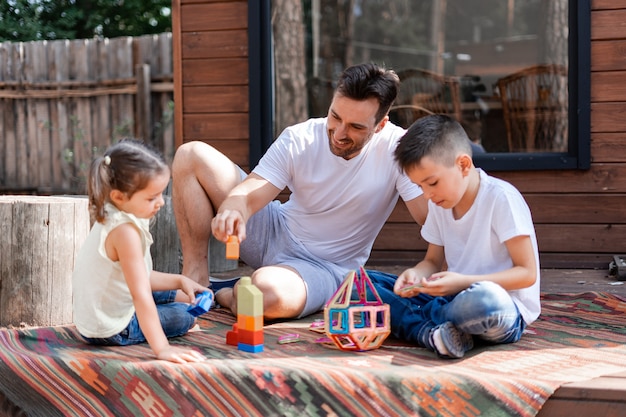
[175, 321]
[484, 310]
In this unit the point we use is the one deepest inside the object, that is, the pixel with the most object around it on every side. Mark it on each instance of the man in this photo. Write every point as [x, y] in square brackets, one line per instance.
[344, 183]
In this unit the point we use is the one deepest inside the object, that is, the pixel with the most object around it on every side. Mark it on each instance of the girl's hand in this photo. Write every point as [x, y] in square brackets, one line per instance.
[191, 288]
[180, 355]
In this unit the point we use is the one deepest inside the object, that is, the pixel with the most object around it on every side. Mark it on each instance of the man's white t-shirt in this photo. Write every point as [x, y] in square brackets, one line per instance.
[337, 207]
[474, 244]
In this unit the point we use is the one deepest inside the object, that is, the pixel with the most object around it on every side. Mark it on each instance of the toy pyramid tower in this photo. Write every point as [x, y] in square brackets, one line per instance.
[354, 321]
[247, 333]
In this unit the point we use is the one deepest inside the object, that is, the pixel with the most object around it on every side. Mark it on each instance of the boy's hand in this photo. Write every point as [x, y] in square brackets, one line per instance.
[180, 355]
[445, 283]
[409, 283]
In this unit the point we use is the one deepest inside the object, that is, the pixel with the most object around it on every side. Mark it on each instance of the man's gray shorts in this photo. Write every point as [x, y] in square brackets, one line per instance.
[269, 242]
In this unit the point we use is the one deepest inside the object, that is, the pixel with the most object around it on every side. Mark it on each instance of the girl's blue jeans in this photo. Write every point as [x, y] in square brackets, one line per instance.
[484, 310]
[175, 321]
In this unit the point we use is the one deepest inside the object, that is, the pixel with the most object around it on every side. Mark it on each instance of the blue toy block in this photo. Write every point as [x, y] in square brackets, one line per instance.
[250, 348]
[202, 304]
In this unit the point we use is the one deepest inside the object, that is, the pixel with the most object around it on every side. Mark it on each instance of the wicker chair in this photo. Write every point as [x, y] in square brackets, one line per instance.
[424, 92]
[534, 107]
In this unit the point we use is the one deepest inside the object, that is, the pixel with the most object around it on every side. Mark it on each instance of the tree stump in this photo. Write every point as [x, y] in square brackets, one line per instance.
[40, 239]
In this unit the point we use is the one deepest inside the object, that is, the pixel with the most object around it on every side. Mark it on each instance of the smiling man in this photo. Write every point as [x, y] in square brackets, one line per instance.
[344, 183]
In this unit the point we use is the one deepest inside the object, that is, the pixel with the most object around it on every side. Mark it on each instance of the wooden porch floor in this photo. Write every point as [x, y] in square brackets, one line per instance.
[604, 396]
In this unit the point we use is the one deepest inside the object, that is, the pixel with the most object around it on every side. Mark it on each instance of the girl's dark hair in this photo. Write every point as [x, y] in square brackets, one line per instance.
[364, 81]
[127, 166]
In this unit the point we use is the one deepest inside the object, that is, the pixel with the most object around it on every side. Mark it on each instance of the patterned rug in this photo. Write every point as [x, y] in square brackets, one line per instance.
[50, 372]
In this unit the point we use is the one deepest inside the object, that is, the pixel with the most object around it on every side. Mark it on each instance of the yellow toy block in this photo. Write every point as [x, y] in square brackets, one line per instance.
[249, 298]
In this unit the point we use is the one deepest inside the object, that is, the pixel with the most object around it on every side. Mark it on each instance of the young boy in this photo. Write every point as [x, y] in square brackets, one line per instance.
[481, 228]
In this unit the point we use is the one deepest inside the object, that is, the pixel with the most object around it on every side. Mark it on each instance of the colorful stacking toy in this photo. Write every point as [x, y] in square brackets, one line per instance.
[357, 319]
[247, 333]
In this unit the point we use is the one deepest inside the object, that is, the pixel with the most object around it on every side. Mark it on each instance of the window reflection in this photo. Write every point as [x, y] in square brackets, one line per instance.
[500, 66]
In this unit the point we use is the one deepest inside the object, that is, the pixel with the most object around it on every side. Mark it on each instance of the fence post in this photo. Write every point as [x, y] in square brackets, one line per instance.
[143, 115]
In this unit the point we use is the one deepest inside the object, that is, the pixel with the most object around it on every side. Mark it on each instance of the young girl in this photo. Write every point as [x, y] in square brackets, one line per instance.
[118, 298]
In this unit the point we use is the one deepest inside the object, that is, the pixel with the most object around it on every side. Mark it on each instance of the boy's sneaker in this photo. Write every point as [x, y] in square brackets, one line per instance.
[218, 283]
[450, 342]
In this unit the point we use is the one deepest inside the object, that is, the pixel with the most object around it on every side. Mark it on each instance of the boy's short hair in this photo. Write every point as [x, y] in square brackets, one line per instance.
[436, 136]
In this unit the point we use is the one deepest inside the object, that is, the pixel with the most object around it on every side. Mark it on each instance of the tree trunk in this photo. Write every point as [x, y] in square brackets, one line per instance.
[555, 48]
[290, 65]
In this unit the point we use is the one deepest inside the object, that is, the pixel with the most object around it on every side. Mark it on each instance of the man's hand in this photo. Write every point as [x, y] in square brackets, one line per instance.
[227, 223]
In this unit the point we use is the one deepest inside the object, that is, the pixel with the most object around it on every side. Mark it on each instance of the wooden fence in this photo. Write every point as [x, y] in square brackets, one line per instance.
[63, 102]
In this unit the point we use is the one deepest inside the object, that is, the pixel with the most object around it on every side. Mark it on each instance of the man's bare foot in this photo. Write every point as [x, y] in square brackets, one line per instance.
[225, 298]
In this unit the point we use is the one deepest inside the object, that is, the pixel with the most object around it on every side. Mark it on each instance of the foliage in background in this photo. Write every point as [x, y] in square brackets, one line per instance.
[28, 20]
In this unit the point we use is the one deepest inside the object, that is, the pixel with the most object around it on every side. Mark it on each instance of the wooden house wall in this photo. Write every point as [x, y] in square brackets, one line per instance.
[211, 74]
[580, 216]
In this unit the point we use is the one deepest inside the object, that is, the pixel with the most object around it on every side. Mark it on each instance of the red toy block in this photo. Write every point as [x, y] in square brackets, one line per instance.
[232, 336]
[250, 337]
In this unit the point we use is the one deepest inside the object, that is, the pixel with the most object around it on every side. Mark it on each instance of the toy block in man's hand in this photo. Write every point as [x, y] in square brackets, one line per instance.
[232, 248]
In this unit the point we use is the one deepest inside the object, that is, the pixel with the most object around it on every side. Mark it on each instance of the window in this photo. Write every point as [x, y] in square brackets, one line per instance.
[515, 73]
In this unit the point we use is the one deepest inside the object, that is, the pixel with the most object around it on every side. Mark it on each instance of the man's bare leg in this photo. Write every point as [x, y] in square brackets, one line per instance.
[202, 177]
[284, 292]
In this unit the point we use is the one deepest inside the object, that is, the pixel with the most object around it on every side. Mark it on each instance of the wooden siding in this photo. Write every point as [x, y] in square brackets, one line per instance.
[580, 216]
[211, 74]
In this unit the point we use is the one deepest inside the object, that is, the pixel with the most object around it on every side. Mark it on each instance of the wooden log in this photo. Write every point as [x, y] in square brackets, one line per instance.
[41, 237]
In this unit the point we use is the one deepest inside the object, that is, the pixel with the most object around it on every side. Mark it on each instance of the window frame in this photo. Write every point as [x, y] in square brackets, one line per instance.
[578, 156]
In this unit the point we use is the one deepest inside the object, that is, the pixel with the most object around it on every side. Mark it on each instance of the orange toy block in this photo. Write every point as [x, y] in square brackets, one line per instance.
[250, 322]
[232, 248]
